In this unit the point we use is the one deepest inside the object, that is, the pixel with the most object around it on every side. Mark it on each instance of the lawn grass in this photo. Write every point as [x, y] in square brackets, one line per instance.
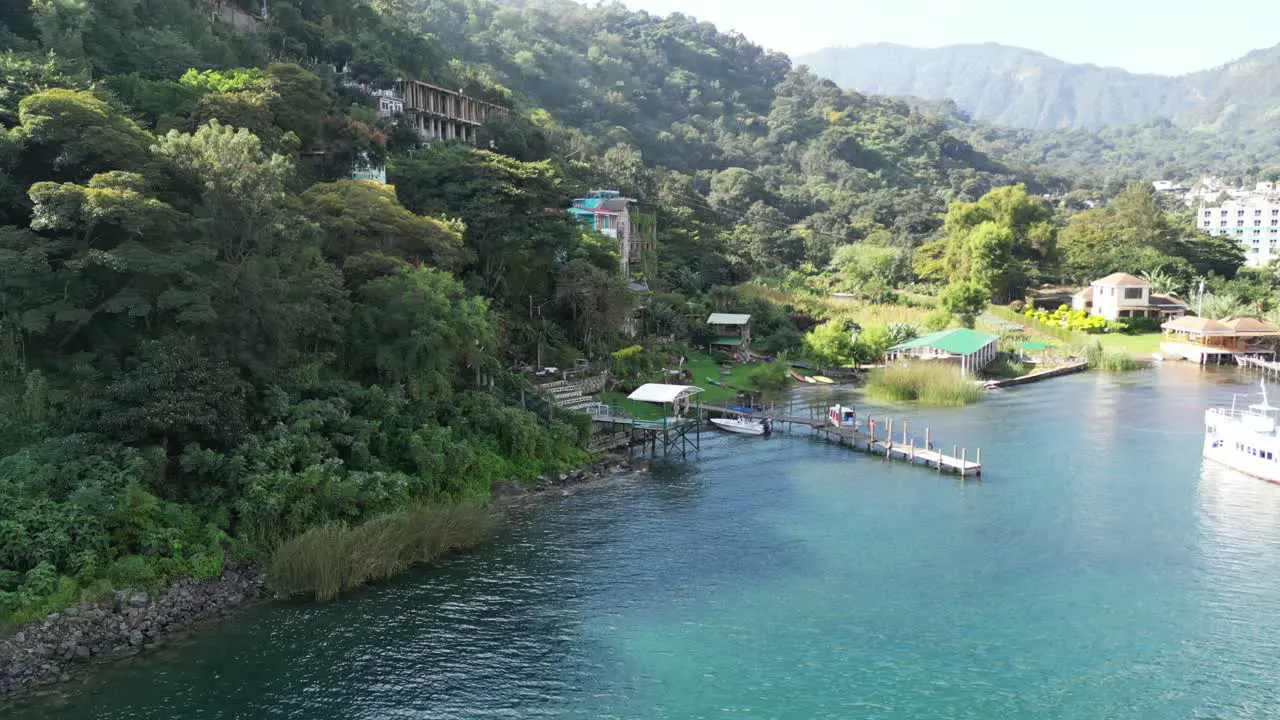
[702, 366]
[1139, 345]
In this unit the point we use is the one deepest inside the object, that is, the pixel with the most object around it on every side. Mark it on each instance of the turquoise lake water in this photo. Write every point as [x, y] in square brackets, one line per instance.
[1098, 570]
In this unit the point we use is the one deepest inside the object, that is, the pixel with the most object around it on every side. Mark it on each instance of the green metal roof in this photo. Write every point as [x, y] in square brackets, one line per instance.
[727, 340]
[960, 341]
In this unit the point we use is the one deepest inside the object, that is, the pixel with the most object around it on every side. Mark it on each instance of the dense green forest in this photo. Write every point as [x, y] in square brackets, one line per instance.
[1114, 156]
[212, 340]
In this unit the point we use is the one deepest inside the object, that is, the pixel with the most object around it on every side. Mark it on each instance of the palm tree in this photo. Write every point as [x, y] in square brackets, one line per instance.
[1163, 282]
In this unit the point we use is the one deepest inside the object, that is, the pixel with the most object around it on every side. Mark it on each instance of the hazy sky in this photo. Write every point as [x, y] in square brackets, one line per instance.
[1156, 36]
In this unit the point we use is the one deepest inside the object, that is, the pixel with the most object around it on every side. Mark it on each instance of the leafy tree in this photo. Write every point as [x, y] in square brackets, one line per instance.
[992, 242]
[241, 187]
[363, 216]
[735, 191]
[829, 344]
[504, 204]
[964, 300]
[872, 343]
[71, 135]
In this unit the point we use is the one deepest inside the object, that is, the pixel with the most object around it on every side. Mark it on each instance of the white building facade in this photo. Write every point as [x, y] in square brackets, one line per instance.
[1121, 295]
[1253, 221]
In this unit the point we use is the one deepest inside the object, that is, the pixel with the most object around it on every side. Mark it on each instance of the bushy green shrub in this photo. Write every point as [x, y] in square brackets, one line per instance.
[901, 332]
[871, 344]
[937, 320]
[1073, 320]
[769, 377]
[631, 361]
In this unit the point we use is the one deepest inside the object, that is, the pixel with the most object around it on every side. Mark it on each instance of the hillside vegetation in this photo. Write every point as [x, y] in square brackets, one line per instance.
[1027, 108]
[212, 341]
[1017, 87]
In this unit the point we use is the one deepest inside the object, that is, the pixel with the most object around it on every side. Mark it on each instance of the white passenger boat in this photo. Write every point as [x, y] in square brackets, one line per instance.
[1243, 437]
[742, 425]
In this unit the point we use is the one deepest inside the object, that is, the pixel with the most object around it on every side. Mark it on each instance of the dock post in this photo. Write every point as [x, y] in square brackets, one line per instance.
[904, 433]
[963, 462]
[912, 447]
[888, 440]
[927, 443]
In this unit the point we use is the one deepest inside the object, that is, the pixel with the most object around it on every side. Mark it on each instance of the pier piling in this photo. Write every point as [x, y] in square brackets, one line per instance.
[904, 448]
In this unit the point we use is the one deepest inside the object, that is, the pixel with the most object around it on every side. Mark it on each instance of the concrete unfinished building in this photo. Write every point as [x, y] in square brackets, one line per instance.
[437, 113]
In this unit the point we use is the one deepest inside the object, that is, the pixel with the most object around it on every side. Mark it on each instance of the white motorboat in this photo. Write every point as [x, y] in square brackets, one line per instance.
[742, 425]
[1244, 438]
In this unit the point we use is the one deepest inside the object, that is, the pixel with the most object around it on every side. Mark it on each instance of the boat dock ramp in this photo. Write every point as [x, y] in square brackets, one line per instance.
[876, 437]
[885, 437]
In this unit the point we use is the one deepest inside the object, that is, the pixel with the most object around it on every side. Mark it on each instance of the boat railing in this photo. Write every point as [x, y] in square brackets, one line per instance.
[1235, 413]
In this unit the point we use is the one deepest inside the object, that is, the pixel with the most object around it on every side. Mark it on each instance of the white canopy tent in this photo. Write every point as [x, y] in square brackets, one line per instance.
[677, 396]
[674, 429]
[663, 394]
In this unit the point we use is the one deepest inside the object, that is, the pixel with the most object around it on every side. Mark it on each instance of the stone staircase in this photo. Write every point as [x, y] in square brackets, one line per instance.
[573, 395]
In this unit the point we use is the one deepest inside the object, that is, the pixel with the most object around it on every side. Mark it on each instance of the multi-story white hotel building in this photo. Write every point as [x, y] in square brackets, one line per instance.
[1254, 222]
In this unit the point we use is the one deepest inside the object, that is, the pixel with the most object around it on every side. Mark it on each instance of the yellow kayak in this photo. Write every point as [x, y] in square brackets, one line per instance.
[823, 380]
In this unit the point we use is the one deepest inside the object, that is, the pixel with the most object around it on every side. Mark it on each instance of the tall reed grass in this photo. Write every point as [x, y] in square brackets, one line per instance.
[330, 559]
[1107, 360]
[924, 382]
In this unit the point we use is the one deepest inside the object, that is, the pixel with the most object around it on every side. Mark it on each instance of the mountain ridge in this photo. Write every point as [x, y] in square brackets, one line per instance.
[1019, 87]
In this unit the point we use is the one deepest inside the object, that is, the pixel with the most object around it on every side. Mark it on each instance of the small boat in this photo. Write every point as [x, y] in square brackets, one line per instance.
[823, 380]
[842, 416]
[797, 376]
[743, 426]
[714, 382]
[1245, 438]
[1158, 357]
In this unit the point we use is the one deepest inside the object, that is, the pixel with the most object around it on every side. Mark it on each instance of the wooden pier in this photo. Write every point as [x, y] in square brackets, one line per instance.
[1254, 362]
[876, 438]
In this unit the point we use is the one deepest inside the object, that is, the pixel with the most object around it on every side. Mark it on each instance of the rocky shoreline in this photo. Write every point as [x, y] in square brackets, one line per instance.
[71, 641]
[504, 492]
[67, 642]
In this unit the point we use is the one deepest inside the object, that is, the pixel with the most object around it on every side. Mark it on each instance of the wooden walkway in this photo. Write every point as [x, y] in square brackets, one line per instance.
[1253, 362]
[877, 438]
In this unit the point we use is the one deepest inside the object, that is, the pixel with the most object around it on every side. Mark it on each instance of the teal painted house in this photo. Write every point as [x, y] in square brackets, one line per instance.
[612, 215]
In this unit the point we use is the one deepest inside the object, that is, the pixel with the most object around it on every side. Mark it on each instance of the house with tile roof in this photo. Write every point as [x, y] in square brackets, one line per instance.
[970, 349]
[1121, 296]
[1207, 341]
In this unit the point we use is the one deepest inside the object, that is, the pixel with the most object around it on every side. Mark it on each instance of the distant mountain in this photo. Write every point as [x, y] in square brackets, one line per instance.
[1022, 88]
